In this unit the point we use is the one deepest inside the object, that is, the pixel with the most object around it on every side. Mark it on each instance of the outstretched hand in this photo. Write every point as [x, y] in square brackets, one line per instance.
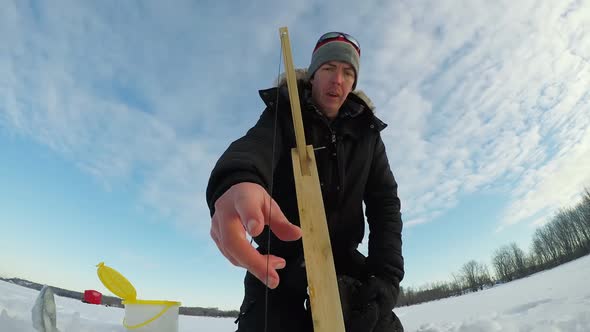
[244, 208]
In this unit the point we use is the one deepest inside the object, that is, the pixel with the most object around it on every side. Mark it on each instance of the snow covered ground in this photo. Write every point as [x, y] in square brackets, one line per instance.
[557, 300]
[16, 303]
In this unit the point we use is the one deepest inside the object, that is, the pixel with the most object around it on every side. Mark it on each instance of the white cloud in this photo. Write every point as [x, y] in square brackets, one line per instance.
[496, 95]
[478, 95]
[136, 95]
[558, 183]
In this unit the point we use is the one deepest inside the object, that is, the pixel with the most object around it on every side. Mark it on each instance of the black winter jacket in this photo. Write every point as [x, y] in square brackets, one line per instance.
[352, 166]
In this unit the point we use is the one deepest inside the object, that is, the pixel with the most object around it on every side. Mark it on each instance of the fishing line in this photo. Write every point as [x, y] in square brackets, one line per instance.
[271, 189]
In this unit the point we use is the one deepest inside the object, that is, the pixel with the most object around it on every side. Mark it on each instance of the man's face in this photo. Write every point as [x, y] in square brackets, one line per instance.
[331, 84]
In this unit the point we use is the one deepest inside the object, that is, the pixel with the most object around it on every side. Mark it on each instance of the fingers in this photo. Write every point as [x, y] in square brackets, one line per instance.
[254, 208]
[215, 235]
[249, 206]
[230, 238]
[248, 257]
[280, 225]
[265, 269]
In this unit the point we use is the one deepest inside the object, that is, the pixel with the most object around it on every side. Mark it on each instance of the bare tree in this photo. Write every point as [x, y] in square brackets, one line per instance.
[582, 225]
[518, 258]
[483, 276]
[580, 233]
[540, 252]
[565, 235]
[475, 275]
[469, 275]
[584, 214]
[585, 204]
[457, 285]
[535, 263]
[502, 263]
[549, 241]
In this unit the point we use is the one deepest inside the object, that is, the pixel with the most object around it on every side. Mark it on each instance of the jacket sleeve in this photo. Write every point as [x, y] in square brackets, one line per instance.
[383, 206]
[248, 159]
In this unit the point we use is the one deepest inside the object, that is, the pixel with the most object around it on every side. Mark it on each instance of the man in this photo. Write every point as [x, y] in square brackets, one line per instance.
[353, 168]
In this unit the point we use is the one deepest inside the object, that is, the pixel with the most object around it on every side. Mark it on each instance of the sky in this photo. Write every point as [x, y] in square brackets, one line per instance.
[552, 300]
[112, 115]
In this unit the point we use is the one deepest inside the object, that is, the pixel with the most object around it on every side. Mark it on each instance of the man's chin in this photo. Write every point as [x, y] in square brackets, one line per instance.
[331, 105]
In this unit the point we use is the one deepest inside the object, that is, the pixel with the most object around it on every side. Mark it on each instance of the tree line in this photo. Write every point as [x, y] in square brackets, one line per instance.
[564, 238]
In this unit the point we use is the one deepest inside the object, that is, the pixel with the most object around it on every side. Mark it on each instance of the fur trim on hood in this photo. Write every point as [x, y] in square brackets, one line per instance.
[301, 74]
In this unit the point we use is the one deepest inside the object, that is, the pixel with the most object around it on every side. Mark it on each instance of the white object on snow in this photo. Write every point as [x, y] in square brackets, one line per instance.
[43, 313]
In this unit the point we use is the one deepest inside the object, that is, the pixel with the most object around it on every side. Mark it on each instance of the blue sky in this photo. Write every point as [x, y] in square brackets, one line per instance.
[112, 115]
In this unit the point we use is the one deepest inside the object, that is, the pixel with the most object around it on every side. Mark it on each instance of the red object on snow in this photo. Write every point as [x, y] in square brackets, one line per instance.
[92, 296]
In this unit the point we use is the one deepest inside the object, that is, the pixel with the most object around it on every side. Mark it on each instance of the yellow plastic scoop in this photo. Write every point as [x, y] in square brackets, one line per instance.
[116, 282]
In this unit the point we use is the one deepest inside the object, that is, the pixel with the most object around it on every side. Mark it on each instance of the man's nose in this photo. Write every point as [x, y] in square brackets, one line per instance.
[338, 77]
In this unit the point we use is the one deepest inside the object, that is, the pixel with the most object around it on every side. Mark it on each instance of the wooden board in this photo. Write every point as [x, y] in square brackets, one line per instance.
[294, 100]
[326, 309]
[321, 275]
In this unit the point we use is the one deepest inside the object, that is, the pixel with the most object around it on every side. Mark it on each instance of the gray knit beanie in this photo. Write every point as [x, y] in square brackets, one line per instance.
[335, 50]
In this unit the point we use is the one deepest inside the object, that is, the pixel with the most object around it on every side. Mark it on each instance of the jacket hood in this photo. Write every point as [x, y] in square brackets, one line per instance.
[301, 73]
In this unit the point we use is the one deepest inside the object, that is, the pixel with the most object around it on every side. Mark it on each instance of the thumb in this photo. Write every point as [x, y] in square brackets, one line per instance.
[280, 225]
